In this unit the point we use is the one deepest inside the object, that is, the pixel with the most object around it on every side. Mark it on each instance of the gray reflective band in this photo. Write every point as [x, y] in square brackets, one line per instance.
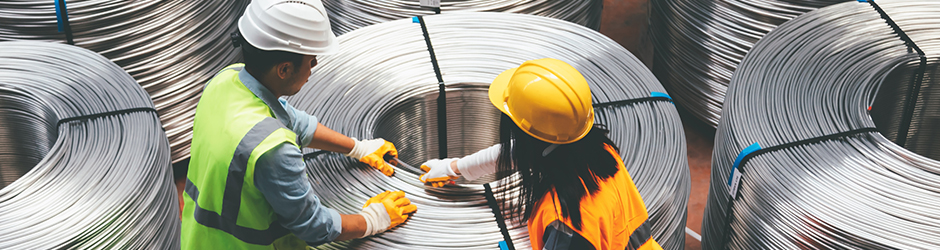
[558, 236]
[231, 198]
[640, 236]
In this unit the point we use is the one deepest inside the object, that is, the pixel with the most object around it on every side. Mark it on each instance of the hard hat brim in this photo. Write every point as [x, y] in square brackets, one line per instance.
[498, 89]
[497, 92]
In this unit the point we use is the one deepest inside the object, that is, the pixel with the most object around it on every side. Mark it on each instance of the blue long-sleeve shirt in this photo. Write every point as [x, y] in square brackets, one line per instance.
[280, 174]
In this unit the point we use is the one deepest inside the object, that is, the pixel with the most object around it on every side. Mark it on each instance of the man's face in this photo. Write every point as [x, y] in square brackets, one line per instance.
[300, 75]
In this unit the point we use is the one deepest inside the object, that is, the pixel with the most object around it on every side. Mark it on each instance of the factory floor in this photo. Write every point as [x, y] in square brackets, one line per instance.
[625, 21]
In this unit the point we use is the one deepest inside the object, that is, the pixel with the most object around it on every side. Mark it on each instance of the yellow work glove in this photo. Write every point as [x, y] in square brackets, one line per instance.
[385, 211]
[439, 172]
[373, 152]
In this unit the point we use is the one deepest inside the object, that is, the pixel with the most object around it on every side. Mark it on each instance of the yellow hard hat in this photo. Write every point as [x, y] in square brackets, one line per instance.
[547, 98]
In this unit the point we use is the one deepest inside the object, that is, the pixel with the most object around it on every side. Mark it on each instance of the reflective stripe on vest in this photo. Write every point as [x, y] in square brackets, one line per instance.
[231, 201]
[640, 236]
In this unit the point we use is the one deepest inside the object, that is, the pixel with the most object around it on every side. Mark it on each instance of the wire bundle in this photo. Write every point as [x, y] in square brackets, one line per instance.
[817, 75]
[90, 183]
[382, 84]
[699, 44]
[171, 47]
[348, 15]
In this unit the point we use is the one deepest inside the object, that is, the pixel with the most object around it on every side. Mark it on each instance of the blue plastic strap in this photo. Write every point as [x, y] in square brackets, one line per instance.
[735, 178]
[503, 246]
[415, 19]
[862, 1]
[58, 15]
[659, 94]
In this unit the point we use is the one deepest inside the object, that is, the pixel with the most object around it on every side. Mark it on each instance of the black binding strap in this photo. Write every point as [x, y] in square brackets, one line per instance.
[442, 95]
[632, 101]
[804, 142]
[914, 91]
[117, 112]
[500, 221]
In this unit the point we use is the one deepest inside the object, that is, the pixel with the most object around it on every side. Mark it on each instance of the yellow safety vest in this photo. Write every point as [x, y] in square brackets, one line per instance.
[222, 207]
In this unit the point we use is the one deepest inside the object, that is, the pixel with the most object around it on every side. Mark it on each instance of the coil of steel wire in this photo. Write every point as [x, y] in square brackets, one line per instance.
[346, 16]
[818, 75]
[382, 84]
[699, 44]
[171, 47]
[88, 182]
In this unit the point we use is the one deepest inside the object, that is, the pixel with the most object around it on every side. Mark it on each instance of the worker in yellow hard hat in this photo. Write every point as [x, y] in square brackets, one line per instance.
[575, 191]
[246, 187]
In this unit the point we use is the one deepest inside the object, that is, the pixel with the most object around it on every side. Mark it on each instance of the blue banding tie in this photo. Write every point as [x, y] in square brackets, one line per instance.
[414, 19]
[659, 94]
[59, 14]
[503, 246]
[744, 152]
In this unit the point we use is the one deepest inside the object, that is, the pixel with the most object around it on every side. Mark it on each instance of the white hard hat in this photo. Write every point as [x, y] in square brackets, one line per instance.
[298, 26]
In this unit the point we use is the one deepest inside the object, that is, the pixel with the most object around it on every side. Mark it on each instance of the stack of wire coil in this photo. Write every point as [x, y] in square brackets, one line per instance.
[382, 84]
[815, 76]
[699, 44]
[348, 15]
[91, 183]
[171, 47]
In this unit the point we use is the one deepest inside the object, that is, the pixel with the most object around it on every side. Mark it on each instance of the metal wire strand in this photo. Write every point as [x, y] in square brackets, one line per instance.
[348, 15]
[699, 44]
[816, 75]
[171, 47]
[382, 84]
[100, 183]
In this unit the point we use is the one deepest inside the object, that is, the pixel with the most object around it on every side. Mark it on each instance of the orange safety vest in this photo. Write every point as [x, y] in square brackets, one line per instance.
[614, 218]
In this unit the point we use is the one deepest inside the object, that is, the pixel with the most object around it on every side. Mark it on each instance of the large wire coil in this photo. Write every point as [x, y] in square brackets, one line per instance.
[382, 84]
[348, 15]
[699, 44]
[817, 75]
[171, 47]
[96, 183]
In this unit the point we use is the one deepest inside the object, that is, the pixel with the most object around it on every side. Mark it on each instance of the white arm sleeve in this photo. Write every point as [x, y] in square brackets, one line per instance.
[478, 164]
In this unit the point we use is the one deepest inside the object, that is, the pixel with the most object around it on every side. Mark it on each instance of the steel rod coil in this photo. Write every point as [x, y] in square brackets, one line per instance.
[171, 47]
[91, 183]
[346, 16]
[699, 44]
[818, 75]
[382, 84]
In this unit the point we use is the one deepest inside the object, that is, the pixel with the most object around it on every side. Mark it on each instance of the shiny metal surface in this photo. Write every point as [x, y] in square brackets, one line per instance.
[815, 75]
[382, 84]
[102, 183]
[171, 47]
[699, 44]
[348, 15]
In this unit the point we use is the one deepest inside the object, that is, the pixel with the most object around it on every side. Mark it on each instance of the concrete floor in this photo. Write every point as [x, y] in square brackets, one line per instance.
[625, 21]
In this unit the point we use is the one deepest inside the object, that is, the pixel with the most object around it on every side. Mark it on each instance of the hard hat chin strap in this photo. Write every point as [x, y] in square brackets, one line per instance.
[236, 39]
[549, 149]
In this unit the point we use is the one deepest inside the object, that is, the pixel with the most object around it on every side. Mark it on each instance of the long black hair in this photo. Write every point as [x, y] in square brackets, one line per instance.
[564, 168]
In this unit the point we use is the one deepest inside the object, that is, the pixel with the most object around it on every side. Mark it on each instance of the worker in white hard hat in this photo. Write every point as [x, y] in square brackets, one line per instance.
[246, 187]
[575, 191]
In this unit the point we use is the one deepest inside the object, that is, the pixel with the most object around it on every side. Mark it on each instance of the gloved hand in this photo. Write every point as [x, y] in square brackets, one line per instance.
[439, 172]
[385, 211]
[471, 167]
[373, 152]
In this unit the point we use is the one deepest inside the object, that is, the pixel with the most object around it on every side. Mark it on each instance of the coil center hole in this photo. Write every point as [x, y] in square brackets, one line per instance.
[27, 132]
[888, 108]
[472, 125]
